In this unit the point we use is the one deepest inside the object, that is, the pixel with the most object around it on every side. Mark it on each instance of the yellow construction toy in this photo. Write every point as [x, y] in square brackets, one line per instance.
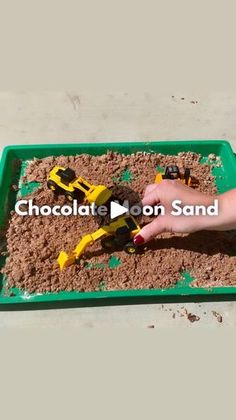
[116, 235]
[173, 172]
[63, 180]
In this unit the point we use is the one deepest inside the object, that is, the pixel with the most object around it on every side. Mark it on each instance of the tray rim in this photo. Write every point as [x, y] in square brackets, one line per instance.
[116, 294]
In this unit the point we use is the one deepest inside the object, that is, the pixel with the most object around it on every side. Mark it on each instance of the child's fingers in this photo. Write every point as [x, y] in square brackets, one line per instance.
[151, 198]
[149, 231]
[149, 189]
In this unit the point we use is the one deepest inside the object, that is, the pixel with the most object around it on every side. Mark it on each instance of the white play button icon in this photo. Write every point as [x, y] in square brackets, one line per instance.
[117, 210]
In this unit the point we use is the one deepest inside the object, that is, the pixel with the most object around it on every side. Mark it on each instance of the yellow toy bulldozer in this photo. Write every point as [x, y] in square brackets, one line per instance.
[173, 172]
[63, 180]
[116, 235]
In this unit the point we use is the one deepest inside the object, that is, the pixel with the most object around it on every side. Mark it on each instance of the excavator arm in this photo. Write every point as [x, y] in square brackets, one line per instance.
[64, 260]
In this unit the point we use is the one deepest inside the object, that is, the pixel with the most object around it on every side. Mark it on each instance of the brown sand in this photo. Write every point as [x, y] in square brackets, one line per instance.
[35, 242]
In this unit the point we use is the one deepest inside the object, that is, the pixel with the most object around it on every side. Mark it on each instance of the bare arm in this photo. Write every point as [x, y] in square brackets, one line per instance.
[168, 191]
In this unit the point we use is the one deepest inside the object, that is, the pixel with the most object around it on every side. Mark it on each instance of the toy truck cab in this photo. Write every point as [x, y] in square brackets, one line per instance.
[173, 172]
[122, 235]
[63, 180]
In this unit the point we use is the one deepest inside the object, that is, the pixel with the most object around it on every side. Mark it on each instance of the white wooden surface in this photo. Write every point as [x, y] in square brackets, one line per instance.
[73, 116]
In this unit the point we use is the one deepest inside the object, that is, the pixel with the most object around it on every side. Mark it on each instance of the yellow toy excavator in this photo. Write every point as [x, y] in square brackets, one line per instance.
[116, 235]
[63, 180]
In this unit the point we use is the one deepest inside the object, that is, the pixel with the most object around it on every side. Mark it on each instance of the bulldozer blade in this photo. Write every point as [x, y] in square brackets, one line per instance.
[64, 260]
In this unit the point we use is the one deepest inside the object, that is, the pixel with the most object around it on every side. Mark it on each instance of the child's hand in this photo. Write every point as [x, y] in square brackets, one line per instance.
[165, 193]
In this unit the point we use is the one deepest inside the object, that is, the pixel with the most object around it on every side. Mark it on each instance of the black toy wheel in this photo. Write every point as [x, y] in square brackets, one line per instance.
[70, 196]
[130, 248]
[53, 186]
[109, 244]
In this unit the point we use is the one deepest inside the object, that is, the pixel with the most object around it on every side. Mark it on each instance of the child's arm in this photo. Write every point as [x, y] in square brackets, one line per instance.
[168, 191]
[227, 212]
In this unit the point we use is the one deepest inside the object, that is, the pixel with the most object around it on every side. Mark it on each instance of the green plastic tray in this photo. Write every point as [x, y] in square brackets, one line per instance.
[225, 179]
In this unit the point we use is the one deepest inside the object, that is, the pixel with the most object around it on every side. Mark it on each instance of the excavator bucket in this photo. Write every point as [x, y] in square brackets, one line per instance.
[65, 260]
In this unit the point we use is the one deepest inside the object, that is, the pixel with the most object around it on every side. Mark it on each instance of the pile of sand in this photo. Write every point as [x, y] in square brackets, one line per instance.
[35, 242]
